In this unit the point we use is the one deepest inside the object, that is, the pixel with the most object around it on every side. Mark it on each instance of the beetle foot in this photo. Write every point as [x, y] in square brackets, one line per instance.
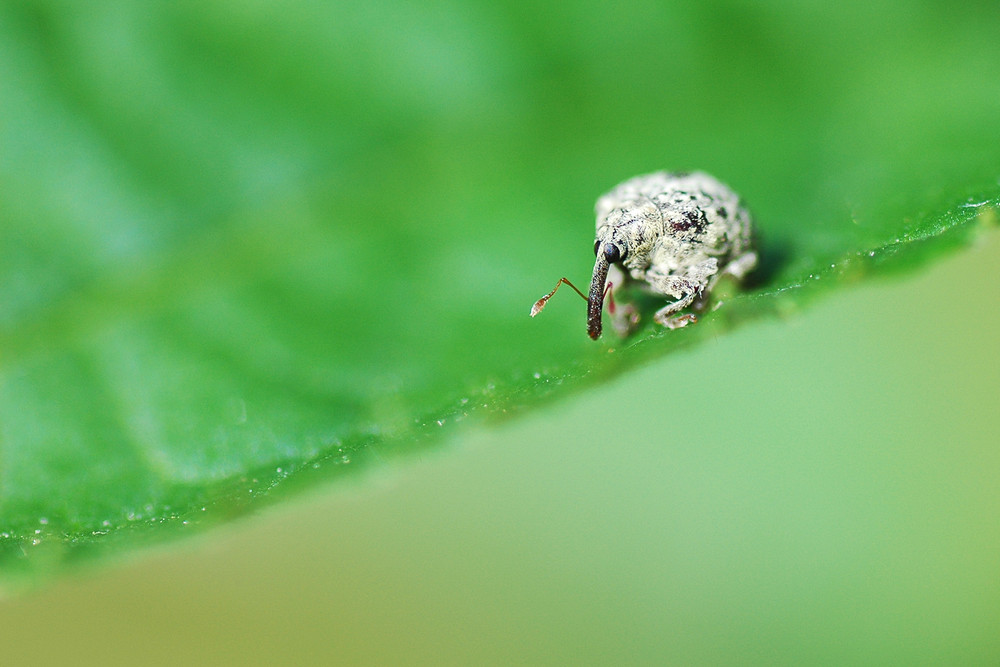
[678, 321]
[625, 319]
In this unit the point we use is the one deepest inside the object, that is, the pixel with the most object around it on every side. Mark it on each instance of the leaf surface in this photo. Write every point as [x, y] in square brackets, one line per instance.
[245, 247]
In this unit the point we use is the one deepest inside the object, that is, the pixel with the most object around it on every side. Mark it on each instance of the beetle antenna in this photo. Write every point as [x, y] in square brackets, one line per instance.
[608, 294]
[537, 308]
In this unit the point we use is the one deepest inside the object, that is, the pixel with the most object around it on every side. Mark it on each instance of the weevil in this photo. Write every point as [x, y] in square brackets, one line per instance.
[675, 234]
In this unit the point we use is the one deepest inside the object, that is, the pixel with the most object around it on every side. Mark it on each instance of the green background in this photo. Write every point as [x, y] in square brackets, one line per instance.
[250, 247]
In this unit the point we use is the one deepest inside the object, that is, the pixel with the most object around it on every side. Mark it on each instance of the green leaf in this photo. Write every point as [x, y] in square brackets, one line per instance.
[245, 248]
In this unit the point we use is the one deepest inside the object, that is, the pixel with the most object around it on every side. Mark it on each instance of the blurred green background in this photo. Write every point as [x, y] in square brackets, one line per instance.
[239, 238]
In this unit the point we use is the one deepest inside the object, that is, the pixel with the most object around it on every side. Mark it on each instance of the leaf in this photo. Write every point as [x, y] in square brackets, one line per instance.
[246, 248]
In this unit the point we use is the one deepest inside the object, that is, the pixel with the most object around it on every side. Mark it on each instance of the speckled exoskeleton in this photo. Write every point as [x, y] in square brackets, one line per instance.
[674, 233]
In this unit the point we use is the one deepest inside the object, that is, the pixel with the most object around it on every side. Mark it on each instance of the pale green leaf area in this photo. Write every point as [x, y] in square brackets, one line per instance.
[248, 246]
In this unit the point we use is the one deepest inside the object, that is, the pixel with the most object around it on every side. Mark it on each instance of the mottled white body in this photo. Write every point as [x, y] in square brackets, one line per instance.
[675, 233]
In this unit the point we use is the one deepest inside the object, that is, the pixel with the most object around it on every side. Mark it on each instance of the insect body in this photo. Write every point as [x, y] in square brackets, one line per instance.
[674, 233]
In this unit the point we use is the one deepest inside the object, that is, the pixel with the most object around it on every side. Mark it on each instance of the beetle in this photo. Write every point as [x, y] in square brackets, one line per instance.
[674, 233]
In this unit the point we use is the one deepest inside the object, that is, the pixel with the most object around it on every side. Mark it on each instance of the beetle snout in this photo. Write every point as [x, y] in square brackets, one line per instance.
[595, 301]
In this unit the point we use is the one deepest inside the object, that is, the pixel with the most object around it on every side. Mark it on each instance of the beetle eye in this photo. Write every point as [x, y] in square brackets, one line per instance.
[597, 244]
[613, 253]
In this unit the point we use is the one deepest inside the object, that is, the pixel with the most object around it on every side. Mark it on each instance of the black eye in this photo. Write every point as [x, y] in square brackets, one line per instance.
[597, 244]
[613, 253]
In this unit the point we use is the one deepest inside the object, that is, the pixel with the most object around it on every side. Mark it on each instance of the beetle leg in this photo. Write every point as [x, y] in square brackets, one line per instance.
[737, 268]
[625, 316]
[740, 266]
[685, 289]
[666, 317]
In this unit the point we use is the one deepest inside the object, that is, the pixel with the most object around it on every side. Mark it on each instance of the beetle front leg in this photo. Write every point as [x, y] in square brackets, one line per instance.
[666, 317]
[625, 316]
[685, 289]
